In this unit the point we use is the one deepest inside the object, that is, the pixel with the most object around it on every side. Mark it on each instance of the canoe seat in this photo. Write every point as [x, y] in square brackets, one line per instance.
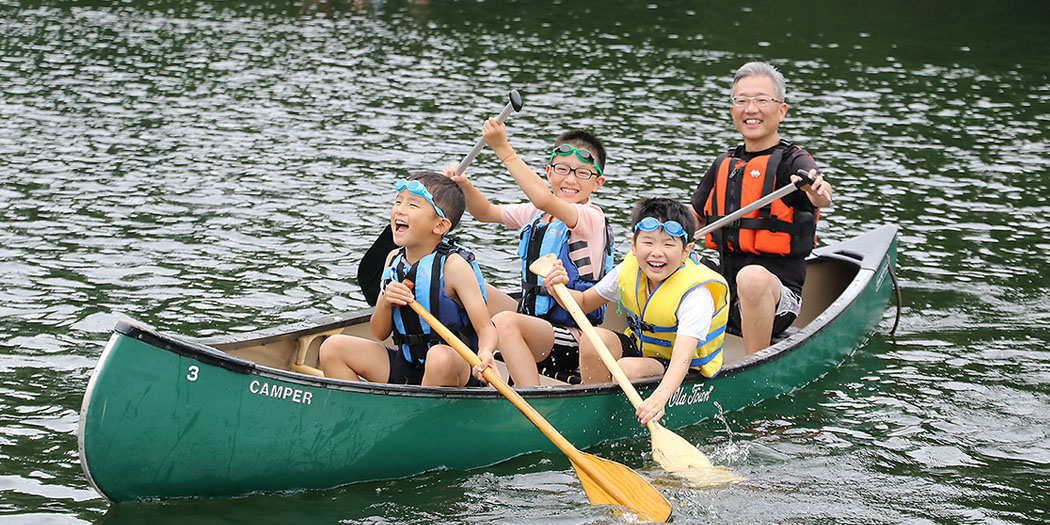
[304, 343]
[553, 378]
[572, 378]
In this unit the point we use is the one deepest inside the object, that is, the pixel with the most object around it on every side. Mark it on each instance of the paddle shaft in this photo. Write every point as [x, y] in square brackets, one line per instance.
[575, 456]
[599, 345]
[481, 142]
[782, 192]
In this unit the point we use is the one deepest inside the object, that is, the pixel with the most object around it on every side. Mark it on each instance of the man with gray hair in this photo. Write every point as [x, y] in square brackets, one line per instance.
[762, 255]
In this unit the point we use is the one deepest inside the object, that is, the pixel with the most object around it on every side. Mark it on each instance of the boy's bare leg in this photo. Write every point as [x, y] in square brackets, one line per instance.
[635, 367]
[352, 358]
[445, 367]
[592, 369]
[498, 301]
[523, 341]
[759, 293]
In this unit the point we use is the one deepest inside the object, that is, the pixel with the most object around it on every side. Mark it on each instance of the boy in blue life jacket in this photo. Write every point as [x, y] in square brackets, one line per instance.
[435, 272]
[559, 218]
[676, 307]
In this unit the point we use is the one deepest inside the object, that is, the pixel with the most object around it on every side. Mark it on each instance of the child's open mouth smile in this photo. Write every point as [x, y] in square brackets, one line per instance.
[656, 267]
[400, 226]
[569, 192]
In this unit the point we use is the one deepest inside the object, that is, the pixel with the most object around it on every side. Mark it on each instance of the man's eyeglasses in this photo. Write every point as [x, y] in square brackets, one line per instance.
[417, 188]
[672, 228]
[761, 101]
[565, 150]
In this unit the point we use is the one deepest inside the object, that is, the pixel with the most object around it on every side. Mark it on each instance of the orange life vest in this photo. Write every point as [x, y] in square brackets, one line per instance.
[774, 229]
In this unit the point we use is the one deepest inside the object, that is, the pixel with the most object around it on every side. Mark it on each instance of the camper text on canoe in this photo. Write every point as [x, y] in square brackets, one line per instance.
[295, 395]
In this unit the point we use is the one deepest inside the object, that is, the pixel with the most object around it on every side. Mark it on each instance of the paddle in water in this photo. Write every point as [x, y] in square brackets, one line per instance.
[370, 269]
[605, 482]
[670, 450]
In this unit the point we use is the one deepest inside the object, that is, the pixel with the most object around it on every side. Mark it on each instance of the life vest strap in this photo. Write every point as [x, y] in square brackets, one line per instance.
[701, 361]
[638, 325]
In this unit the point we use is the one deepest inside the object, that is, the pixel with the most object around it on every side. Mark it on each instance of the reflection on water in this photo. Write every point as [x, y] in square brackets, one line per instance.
[217, 167]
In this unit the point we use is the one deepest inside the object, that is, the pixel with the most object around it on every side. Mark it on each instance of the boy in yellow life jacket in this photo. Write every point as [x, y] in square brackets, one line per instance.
[676, 307]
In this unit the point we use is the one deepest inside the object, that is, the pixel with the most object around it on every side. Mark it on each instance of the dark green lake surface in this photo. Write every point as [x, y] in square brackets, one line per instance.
[215, 167]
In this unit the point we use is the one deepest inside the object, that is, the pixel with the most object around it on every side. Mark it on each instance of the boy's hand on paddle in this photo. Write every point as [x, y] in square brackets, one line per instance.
[495, 134]
[488, 360]
[557, 275]
[450, 172]
[398, 294]
[650, 409]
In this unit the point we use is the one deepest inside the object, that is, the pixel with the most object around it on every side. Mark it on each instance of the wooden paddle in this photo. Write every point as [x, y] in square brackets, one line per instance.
[605, 482]
[672, 451]
[370, 269]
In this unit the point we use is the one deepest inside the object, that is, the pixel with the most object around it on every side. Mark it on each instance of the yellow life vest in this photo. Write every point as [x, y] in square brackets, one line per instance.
[651, 317]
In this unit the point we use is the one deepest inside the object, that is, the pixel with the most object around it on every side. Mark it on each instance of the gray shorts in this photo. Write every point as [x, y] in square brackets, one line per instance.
[787, 310]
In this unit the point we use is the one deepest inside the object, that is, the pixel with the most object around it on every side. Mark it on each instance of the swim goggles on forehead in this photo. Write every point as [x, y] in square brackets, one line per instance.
[671, 228]
[565, 150]
[417, 188]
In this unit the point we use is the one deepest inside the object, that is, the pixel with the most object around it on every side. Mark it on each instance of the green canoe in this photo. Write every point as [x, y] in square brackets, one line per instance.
[168, 417]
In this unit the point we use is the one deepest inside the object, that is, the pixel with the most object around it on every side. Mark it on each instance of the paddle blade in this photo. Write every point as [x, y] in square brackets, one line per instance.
[680, 457]
[642, 498]
[370, 269]
[543, 265]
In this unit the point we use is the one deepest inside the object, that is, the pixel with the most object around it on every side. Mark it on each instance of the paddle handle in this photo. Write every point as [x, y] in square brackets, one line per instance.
[575, 456]
[514, 105]
[782, 192]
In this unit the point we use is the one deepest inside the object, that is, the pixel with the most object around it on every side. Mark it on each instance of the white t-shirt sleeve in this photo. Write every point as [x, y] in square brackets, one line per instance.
[694, 313]
[606, 287]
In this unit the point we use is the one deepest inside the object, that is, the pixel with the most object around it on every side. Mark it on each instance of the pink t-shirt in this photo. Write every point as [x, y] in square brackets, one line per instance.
[590, 227]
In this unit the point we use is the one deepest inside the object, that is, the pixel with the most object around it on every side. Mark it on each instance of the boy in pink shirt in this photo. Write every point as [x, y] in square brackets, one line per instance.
[560, 219]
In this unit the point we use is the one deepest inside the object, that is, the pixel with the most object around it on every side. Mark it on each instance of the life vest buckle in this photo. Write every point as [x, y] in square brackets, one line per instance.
[638, 325]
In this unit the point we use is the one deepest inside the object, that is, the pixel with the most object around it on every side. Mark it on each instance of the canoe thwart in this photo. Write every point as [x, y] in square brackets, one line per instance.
[304, 343]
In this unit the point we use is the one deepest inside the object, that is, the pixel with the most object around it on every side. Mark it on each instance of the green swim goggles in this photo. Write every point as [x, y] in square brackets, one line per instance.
[417, 188]
[565, 150]
[672, 228]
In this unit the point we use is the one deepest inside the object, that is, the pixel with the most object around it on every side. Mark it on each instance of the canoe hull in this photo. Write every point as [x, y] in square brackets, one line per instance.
[166, 418]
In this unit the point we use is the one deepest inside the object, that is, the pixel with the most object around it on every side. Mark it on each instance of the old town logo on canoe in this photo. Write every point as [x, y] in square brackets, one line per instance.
[696, 395]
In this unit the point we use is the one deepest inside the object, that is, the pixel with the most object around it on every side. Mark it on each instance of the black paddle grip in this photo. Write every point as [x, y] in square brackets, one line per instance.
[805, 180]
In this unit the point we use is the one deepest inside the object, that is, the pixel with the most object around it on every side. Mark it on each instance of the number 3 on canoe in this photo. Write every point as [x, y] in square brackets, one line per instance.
[605, 482]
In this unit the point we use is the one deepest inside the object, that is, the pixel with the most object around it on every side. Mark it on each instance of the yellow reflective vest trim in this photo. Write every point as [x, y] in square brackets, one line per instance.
[652, 320]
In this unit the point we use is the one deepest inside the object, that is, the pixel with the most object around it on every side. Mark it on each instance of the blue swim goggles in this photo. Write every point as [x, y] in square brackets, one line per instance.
[672, 228]
[565, 150]
[417, 188]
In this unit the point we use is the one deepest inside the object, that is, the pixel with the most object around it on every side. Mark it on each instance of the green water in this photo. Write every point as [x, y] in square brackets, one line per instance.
[220, 167]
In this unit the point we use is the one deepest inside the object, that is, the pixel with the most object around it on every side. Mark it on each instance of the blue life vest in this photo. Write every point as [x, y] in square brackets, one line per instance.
[539, 239]
[412, 335]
